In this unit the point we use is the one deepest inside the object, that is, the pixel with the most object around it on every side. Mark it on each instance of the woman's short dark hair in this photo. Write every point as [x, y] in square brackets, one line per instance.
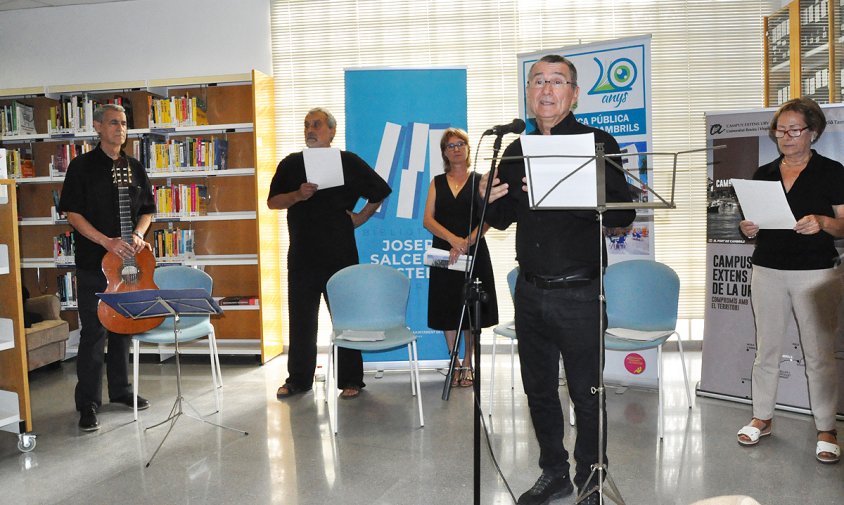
[809, 109]
[454, 132]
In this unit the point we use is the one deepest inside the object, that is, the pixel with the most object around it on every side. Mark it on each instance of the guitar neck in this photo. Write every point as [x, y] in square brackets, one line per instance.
[126, 226]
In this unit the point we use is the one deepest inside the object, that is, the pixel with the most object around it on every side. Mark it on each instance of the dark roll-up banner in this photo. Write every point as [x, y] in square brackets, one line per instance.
[729, 337]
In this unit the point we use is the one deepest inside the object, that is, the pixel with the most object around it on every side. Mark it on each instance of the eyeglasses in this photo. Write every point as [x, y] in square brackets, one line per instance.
[539, 83]
[793, 133]
[456, 145]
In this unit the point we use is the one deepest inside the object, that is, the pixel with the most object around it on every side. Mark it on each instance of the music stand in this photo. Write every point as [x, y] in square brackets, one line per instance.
[599, 469]
[147, 303]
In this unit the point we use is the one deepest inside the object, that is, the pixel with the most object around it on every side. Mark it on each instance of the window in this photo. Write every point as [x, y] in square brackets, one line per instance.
[706, 57]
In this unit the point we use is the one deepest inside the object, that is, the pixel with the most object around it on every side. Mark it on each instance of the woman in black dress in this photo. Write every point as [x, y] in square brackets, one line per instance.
[447, 211]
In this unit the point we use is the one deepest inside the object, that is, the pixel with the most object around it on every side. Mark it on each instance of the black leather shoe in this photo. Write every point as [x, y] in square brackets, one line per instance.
[127, 400]
[547, 488]
[88, 418]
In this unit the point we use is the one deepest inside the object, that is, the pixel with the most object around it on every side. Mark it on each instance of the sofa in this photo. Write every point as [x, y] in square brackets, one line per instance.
[46, 340]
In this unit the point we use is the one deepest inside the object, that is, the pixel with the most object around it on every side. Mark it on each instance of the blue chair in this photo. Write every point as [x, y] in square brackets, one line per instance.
[190, 327]
[507, 330]
[642, 298]
[368, 313]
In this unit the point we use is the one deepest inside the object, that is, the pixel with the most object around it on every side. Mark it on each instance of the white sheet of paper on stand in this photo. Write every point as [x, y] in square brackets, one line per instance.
[580, 189]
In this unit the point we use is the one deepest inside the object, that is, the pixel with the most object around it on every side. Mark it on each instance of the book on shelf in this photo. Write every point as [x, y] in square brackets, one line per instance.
[73, 114]
[17, 119]
[221, 150]
[186, 154]
[173, 244]
[66, 287]
[238, 300]
[177, 111]
[19, 163]
[180, 200]
[64, 154]
[64, 248]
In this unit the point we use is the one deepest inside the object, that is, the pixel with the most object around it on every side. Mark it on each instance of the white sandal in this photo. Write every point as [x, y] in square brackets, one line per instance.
[753, 434]
[830, 448]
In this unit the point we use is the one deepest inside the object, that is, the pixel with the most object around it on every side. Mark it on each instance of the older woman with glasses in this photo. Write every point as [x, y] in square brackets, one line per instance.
[794, 271]
[447, 216]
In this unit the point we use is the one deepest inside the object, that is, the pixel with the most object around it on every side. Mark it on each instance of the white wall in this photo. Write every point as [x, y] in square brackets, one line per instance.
[133, 40]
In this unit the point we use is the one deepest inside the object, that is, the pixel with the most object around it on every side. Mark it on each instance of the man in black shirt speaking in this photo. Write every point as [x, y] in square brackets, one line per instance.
[556, 298]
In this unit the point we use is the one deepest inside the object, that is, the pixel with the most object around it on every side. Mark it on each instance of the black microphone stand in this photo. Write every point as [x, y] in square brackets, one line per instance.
[474, 294]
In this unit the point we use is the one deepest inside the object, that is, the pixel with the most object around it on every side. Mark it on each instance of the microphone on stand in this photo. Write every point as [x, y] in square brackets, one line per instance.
[515, 126]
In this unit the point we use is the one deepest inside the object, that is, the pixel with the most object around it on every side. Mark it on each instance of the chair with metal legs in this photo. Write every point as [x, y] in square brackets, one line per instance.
[642, 298]
[190, 327]
[507, 330]
[369, 313]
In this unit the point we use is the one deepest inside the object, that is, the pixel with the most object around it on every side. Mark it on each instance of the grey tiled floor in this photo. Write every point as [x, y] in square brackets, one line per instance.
[381, 456]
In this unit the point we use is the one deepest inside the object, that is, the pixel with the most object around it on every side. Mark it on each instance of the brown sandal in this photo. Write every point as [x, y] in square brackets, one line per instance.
[457, 376]
[468, 378]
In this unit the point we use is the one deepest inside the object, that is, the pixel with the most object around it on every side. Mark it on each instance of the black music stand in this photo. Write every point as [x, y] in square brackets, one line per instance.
[147, 303]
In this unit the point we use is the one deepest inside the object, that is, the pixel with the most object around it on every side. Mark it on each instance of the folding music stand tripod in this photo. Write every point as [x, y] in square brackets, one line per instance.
[147, 303]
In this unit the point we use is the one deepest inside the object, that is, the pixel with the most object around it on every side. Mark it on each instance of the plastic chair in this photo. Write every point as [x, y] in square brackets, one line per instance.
[369, 313]
[642, 298]
[190, 327]
[507, 330]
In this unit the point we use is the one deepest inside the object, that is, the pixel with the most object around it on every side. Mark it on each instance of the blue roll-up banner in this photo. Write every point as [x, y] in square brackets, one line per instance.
[614, 77]
[394, 120]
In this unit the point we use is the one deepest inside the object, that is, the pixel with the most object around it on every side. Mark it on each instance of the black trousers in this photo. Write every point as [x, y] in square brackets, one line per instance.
[304, 289]
[551, 322]
[92, 341]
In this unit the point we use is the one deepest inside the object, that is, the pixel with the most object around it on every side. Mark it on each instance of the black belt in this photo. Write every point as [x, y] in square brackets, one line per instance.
[576, 278]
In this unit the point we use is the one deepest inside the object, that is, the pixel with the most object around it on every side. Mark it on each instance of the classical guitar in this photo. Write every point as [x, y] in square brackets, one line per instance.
[126, 274]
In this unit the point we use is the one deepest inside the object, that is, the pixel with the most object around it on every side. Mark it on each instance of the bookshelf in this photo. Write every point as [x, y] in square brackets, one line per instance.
[15, 412]
[236, 240]
[804, 52]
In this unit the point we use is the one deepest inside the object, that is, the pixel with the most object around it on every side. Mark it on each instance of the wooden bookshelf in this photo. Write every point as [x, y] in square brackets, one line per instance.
[14, 416]
[803, 52]
[237, 243]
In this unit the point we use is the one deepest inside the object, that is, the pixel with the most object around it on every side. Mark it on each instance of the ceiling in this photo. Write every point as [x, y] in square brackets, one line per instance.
[11, 5]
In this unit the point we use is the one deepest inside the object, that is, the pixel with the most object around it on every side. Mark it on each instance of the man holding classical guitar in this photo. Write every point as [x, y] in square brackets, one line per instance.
[98, 185]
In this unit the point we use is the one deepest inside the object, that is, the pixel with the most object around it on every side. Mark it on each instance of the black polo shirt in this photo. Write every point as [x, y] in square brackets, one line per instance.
[817, 189]
[89, 189]
[322, 234]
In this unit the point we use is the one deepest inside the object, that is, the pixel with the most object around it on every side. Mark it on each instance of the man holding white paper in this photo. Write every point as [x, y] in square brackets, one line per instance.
[557, 293]
[320, 188]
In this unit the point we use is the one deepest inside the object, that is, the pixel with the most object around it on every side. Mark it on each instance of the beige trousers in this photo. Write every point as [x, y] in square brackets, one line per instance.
[811, 297]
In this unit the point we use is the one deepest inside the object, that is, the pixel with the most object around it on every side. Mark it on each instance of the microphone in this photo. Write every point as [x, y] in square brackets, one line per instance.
[515, 126]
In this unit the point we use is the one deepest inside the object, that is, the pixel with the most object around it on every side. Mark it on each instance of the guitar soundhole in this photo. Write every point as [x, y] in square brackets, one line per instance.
[129, 273]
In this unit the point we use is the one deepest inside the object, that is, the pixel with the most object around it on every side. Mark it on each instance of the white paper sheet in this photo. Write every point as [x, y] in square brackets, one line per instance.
[579, 190]
[435, 257]
[323, 167]
[764, 203]
[362, 335]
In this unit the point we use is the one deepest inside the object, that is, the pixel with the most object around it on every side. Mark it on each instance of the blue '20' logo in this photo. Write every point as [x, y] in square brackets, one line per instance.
[615, 83]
